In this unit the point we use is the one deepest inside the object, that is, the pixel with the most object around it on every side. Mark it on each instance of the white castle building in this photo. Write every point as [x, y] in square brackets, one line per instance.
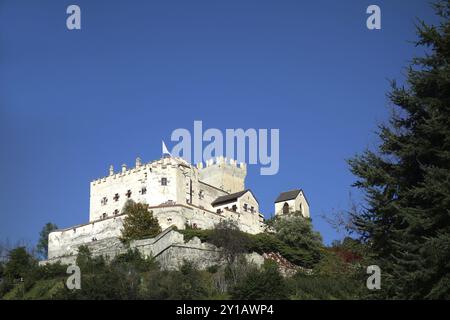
[179, 194]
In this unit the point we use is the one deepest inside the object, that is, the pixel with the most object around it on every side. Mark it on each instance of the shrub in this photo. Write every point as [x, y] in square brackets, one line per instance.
[188, 234]
[265, 242]
[266, 283]
[227, 236]
[325, 287]
[133, 260]
[188, 283]
[297, 232]
[87, 263]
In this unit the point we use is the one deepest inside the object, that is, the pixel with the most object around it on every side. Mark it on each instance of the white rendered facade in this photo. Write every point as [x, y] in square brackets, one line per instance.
[174, 191]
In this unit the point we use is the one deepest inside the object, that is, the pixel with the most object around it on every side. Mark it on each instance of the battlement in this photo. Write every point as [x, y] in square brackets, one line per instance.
[225, 174]
[222, 161]
[139, 166]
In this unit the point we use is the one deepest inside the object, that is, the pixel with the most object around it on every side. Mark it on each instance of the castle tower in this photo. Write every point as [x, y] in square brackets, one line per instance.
[224, 174]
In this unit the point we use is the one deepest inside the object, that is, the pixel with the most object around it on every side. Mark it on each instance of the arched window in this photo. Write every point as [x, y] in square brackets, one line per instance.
[285, 207]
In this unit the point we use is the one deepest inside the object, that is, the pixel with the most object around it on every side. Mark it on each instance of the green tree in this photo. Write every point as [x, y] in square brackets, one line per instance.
[139, 222]
[187, 283]
[119, 279]
[297, 232]
[406, 181]
[19, 263]
[134, 261]
[264, 283]
[227, 236]
[233, 244]
[42, 246]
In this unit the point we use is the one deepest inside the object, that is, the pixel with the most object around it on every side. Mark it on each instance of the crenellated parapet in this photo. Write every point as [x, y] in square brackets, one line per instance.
[162, 163]
[223, 173]
[222, 161]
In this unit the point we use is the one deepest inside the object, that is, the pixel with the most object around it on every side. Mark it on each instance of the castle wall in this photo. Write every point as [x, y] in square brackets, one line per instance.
[174, 191]
[134, 180]
[169, 249]
[140, 184]
[66, 241]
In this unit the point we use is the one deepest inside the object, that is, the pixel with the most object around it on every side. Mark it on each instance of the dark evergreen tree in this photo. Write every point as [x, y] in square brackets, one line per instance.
[42, 246]
[19, 263]
[406, 219]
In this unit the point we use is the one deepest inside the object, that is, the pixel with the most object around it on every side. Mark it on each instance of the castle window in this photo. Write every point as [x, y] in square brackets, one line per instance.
[245, 207]
[201, 194]
[128, 194]
[164, 181]
[104, 215]
[116, 197]
[116, 212]
[219, 211]
[104, 201]
[252, 209]
[144, 190]
[286, 208]
[234, 208]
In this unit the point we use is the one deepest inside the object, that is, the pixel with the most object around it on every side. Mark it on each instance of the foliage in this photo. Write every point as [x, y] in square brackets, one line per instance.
[203, 235]
[325, 287]
[135, 261]
[351, 250]
[120, 279]
[406, 181]
[265, 242]
[265, 283]
[297, 232]
[87, 263]
[133, 276]
[227, 236]
[42, 245]
[187, 284]
[139, 222]
[19, 263]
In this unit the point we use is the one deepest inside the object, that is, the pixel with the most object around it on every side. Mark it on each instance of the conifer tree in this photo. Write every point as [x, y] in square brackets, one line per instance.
[406, 181]
[42, 245]
[139, 222]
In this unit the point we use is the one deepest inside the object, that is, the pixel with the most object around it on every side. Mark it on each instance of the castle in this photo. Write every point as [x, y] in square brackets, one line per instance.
[179, 194]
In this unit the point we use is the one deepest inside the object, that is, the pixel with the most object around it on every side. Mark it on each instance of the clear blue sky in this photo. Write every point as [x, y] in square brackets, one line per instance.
[73, 102]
